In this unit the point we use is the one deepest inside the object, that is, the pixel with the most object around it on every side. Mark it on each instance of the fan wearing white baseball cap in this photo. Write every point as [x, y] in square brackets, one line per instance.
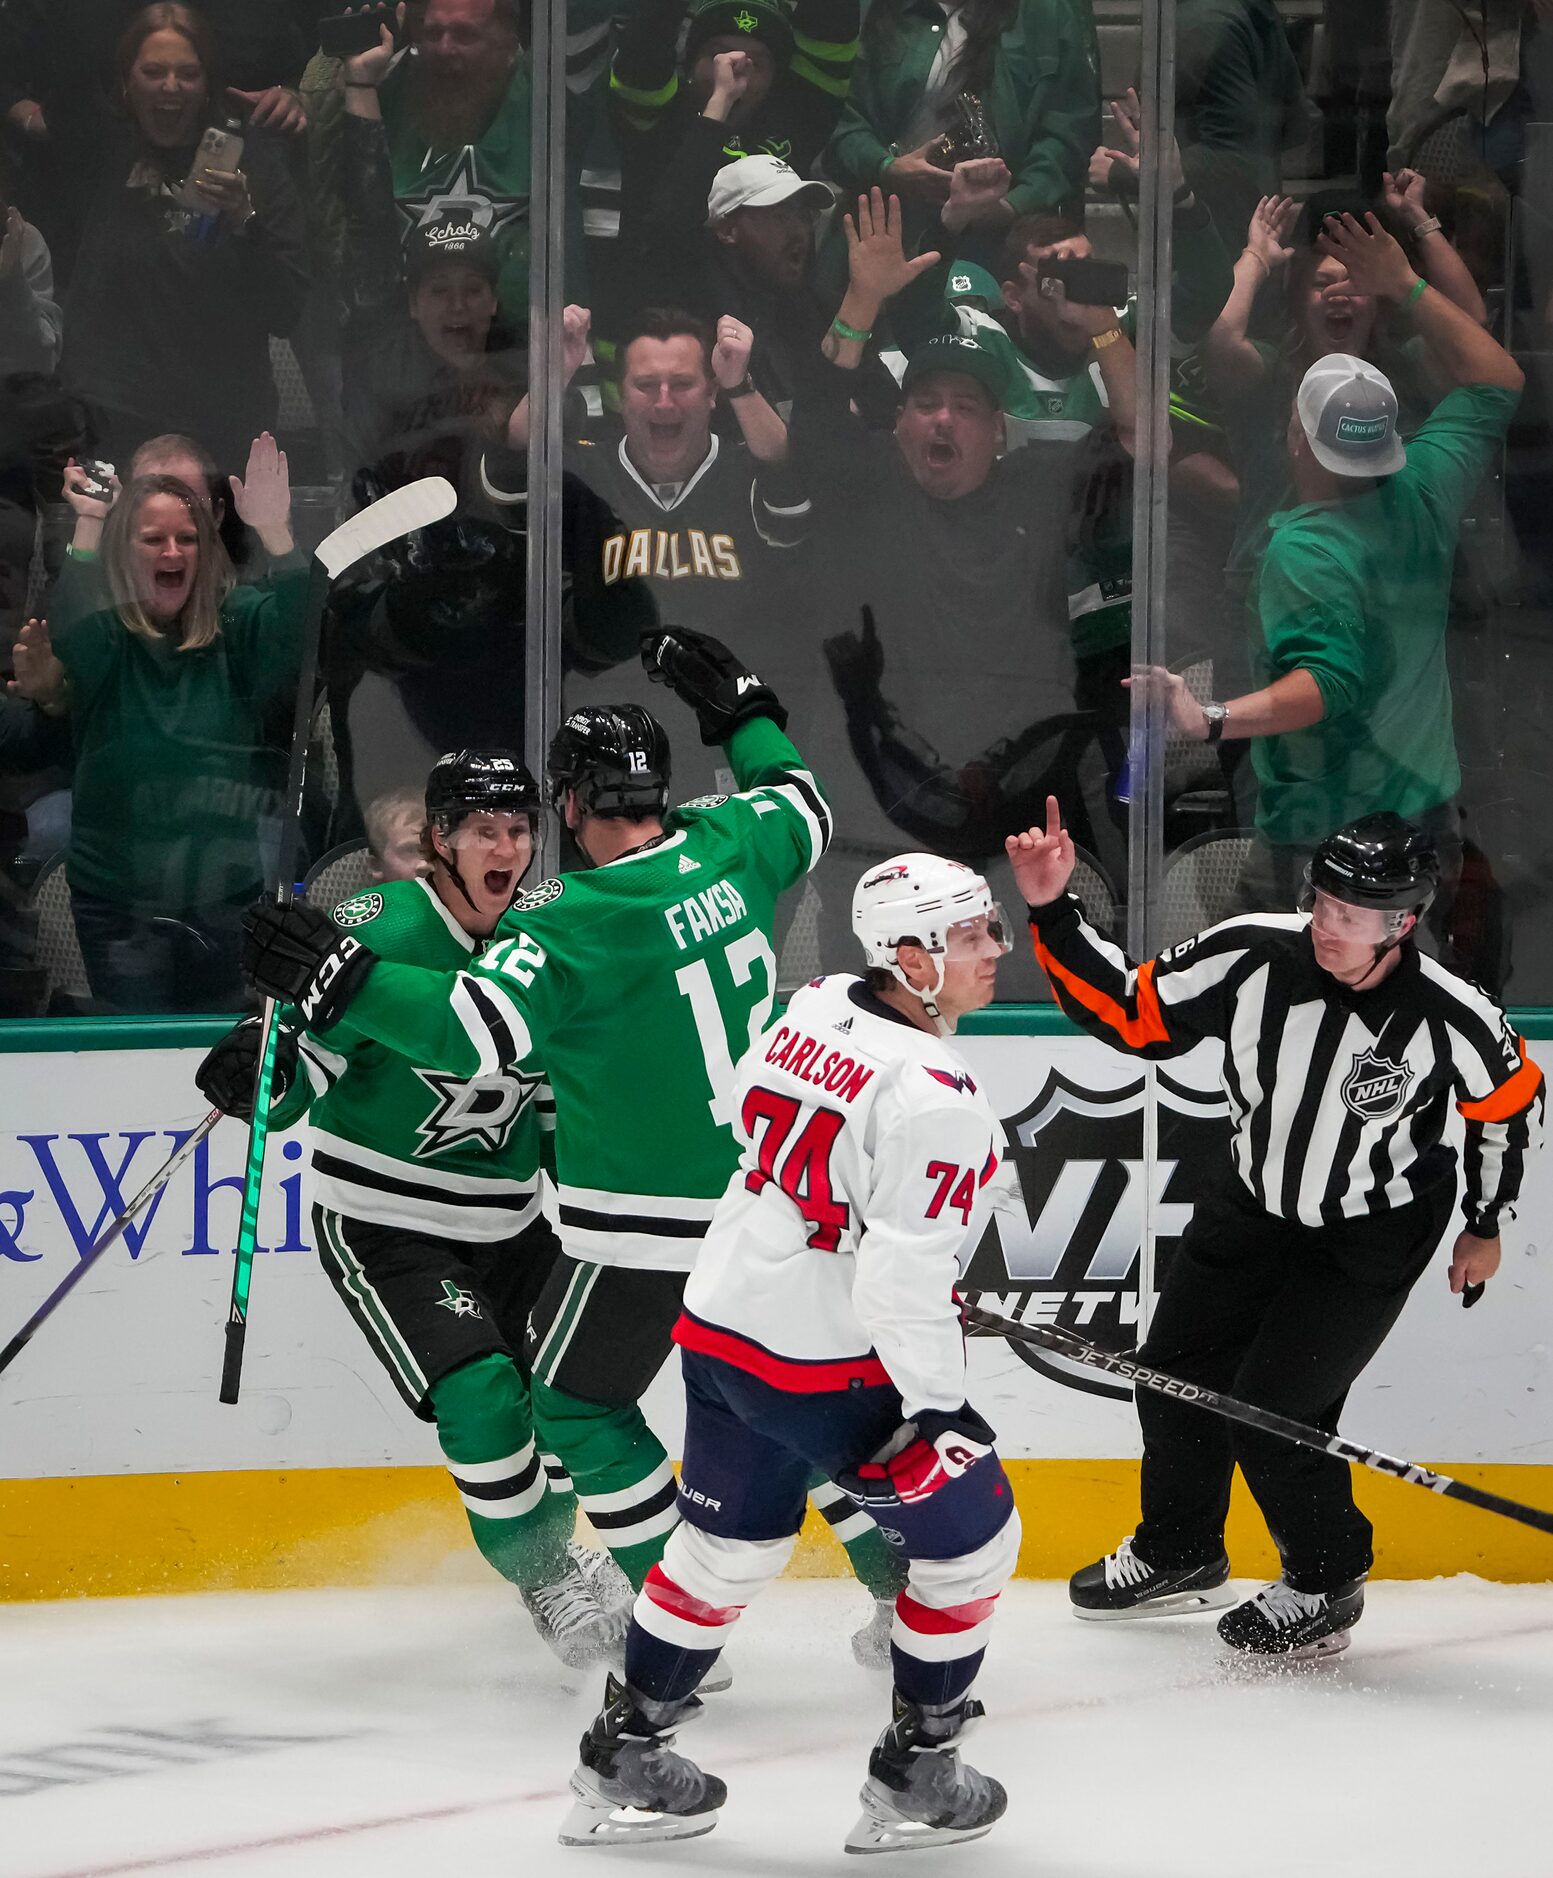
[1353, 591]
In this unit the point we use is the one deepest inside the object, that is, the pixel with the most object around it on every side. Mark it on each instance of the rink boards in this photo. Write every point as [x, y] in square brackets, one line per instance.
[120, 1472]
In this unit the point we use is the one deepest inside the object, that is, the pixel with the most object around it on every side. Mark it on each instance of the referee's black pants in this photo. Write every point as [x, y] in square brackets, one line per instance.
[1286, 1317]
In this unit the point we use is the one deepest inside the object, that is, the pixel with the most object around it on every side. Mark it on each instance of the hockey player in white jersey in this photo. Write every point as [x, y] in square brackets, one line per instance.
[820, 1330]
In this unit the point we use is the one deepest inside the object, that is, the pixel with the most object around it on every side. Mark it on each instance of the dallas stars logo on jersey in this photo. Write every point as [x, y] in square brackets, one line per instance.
[478, 1112]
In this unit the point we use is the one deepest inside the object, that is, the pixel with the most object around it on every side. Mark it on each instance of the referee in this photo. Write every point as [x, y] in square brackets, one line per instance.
[1343, 1045]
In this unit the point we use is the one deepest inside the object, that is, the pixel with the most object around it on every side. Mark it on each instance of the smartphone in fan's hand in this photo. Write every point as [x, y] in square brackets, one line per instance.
[97, 479]
[1088, 282]
[348, 35]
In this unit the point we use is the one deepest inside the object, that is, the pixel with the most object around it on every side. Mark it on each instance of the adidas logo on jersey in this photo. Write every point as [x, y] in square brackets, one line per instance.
[688, 866]
[845, 1027]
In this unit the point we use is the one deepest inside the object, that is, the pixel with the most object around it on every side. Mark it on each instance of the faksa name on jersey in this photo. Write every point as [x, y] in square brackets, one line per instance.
[636, 985]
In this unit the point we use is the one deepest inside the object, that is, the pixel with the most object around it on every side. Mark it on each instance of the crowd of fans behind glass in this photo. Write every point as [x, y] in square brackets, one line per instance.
[851, 381]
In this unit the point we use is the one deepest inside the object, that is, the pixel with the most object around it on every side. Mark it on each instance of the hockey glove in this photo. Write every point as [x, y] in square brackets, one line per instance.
[704, 674]
[229, 1075]
[299, 955]
[928, 1453]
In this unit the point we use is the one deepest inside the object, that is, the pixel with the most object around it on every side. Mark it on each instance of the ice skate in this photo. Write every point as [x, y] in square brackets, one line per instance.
[919, 1792]
[871, 1644]
[605, 1580]
[570, 1618]
[630, 1786]
[1298, 1626]
[1122, 1585]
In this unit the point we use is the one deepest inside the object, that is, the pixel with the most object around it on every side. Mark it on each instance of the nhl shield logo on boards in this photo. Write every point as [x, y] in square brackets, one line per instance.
[1063, 1249]
[1375, 1089]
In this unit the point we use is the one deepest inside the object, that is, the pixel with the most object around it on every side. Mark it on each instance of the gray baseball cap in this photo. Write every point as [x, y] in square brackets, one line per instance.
[1348, 412]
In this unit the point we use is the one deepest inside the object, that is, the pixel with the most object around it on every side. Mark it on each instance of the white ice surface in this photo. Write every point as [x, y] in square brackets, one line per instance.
[439, 1736]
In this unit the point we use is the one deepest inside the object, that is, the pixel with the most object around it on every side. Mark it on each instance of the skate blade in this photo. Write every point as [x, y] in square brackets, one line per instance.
[595, 1822]
[873, 1835]
[717, 1681]
[1303, 1658]
[1178, 1604]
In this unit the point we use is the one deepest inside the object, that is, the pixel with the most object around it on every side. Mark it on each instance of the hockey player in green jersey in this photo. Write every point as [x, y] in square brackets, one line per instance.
[636, 983]
[427, 1210]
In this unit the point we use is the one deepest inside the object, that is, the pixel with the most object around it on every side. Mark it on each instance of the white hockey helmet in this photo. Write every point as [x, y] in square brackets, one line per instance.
[917, 899]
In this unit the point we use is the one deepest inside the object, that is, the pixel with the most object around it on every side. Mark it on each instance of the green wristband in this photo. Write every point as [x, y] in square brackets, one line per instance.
[843, 331]
[1418, 292]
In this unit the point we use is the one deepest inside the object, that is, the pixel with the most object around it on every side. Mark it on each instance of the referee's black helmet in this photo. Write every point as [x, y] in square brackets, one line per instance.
[1380, 861]
[475, 782]
[614, 757]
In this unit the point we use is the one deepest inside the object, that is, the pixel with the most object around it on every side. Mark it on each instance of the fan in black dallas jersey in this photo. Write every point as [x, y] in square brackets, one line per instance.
[427, 1204]
[706, 520]
[1343, 1047]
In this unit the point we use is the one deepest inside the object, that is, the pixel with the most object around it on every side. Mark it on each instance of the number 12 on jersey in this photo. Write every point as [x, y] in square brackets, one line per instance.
[804, 1171]
[740, 956]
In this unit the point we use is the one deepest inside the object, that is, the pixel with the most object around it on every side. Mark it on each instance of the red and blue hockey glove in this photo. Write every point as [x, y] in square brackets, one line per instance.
[297, 954]
[923, 1456]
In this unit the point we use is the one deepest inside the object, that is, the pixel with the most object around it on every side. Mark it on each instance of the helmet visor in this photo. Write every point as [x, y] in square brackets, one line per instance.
[1342, 924]
[967, 938]
[491, 828]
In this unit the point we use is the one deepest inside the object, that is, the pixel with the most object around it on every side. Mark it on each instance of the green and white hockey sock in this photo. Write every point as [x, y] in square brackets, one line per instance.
[621, 1472]
[874, 1565]
[520, 1520]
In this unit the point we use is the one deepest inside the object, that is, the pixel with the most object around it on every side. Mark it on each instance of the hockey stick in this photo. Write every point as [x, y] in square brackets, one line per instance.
[111, 1237]
[1064, 1343]
[401, 511]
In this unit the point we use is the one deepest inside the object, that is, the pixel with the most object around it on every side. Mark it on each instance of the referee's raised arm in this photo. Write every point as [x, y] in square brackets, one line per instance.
[1124, 1004]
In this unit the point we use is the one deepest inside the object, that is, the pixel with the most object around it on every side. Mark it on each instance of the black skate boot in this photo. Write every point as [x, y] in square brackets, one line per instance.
[1122, 1585]
[918, 1791]
[1299, 1626]
[630, 1787]
[570, 1616]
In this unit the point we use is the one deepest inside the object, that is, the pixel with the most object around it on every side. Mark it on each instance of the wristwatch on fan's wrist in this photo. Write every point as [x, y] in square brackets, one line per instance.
[1216, 714]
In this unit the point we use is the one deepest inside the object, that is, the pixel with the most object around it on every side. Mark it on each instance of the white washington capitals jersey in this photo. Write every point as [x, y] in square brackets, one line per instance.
[862, 1185]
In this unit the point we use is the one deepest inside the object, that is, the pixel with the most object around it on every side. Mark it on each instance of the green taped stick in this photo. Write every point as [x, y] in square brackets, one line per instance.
[248, 1228]
[400, 512]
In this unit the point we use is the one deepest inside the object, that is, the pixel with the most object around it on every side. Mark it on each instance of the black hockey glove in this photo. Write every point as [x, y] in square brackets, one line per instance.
[229, 1075]
[299, 955]
[704, 674]
[921, 1457]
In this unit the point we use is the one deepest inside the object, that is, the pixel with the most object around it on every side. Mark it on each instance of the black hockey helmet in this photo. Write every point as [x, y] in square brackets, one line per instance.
[616, 759]
[475, 782]
[1380, 861]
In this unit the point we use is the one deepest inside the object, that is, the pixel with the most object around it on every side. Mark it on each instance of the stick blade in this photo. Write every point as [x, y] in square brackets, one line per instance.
[416, 505]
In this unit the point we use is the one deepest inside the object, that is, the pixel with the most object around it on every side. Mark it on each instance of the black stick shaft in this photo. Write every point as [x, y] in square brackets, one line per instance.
[111, 1237]
[258, 1123]
[1064, 1343]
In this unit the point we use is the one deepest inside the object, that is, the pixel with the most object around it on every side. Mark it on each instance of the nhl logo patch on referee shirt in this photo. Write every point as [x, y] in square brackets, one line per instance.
[1375, 1089]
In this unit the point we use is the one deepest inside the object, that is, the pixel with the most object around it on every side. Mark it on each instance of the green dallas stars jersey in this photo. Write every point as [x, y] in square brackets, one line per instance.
[637, 986]
[454, 1156]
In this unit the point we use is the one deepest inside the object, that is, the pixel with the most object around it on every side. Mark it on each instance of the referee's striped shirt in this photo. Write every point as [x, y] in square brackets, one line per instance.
[1338, 1098]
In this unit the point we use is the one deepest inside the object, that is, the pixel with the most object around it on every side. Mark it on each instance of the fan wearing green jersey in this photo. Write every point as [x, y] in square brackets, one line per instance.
[427, 1208]
[636, 983]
